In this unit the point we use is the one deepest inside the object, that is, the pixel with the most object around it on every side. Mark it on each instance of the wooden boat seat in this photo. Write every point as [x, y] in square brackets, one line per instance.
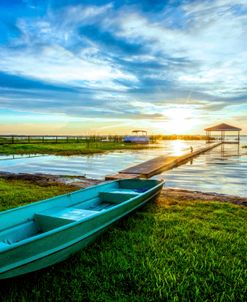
[115, 197]
[57, 217]
[125, 191]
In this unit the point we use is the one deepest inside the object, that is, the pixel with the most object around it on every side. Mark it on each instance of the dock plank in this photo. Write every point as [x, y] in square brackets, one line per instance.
[158, 164]
[122, 176]
[150, 165]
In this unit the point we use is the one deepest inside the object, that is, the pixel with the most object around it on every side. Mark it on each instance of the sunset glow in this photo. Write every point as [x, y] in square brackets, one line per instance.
[180, 121]
[179, 147]
[108, 66]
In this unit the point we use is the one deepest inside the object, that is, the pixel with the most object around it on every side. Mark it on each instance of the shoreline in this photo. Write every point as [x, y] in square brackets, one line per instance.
[20, 150]
[81, 182]
[50, 179]
[70, 149]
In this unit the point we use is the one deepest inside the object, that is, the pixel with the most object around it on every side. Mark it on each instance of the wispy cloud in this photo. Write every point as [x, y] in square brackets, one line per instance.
[121, 61]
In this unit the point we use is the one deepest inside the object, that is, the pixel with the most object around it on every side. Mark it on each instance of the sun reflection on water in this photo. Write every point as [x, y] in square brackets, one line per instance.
[179, 147]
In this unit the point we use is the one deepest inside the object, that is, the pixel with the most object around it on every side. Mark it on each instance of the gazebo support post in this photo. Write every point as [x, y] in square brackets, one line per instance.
[222, 136]
[209, 136]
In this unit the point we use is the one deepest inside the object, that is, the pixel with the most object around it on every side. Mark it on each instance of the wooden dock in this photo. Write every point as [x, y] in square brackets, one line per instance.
[159, 164]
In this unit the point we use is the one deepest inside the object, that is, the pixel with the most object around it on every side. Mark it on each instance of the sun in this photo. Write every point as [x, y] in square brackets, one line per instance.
[180, 120]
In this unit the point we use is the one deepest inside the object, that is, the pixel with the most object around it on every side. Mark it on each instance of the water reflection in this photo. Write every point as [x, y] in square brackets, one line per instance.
[230, 150]
[222, 170]
[179, 147]
[17, 156]
[93, 166]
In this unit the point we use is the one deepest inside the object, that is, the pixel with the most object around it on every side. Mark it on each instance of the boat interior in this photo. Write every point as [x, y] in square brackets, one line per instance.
[37, 218]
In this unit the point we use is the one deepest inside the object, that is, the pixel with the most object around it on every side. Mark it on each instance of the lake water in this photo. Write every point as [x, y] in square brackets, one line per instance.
[219, 170]
[92, 166]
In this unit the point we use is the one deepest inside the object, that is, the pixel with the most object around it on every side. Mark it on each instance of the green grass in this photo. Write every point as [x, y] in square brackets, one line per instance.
[173, 250]
[15, 193]
[67, 148]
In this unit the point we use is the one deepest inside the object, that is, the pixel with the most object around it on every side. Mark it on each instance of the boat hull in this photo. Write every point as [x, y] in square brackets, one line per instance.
[136, 139]
[56, 246]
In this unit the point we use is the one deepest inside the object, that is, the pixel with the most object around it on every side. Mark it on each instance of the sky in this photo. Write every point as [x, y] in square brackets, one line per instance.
[108, 67]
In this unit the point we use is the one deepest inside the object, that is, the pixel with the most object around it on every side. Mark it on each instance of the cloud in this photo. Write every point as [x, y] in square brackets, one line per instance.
[45, 51]
[18, 82]
[124, 59]
[206, 44]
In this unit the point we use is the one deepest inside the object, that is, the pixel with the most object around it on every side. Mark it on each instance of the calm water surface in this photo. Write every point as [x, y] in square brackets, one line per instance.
[92, 166]
[222, 170]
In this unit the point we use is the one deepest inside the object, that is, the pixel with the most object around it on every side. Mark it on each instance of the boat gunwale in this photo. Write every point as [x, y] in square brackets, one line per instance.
[53, 198]
[74, 223]
[73, 242]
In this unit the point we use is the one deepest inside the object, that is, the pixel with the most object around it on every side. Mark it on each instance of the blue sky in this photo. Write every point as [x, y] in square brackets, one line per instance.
[72, 67]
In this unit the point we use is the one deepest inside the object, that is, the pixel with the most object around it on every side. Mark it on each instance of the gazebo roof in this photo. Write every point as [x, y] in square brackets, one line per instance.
[139, 130]
[223, 127]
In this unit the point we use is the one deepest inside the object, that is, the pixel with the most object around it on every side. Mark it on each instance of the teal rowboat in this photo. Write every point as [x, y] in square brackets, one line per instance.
[43, 233]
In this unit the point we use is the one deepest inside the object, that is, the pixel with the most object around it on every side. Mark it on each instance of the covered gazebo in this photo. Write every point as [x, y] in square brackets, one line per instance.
[222, 129]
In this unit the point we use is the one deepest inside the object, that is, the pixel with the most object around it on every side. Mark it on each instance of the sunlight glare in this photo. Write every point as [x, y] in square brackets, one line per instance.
[178, 147]
[180, 120]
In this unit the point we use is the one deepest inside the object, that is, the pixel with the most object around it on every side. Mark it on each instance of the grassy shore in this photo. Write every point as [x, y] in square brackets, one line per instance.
[67, 148]
[15, 193]
[174, 250]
